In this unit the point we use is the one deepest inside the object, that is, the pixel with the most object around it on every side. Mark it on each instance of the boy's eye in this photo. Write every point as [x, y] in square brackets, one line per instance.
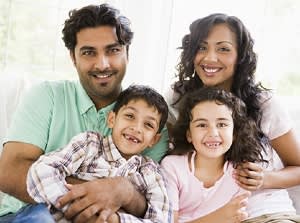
[129, 116]
[149, 125]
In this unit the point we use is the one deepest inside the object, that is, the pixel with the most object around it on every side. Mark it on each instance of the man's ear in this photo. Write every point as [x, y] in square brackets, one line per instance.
[188, 136]
[72, 55]
[111, 119]
[155, 140]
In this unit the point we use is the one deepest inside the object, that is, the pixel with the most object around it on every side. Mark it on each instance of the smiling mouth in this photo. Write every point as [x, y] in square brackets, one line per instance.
[210, 70]
[212, 145]
[102, 76]
[131, 138]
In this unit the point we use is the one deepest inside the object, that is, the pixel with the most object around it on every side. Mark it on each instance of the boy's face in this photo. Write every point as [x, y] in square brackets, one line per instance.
[134, 127]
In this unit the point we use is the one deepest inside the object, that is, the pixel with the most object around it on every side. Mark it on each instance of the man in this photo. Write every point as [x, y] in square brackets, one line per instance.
[98, 39]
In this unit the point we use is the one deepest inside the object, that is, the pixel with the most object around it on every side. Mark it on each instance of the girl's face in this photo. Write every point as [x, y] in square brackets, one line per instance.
[211, 129]
[216, 58]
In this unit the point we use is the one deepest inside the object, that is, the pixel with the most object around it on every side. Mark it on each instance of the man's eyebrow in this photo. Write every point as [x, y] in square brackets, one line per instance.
[87, 48]
[116, 44]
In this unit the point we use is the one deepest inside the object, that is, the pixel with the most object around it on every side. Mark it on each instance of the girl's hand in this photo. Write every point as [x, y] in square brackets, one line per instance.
[249, 176]
[234, 210]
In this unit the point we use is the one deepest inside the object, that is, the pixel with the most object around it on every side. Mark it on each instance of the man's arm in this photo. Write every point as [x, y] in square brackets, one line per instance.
[15, 160]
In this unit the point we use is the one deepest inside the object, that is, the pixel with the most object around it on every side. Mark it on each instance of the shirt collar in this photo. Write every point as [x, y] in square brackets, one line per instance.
[110, 150]
[85, 102]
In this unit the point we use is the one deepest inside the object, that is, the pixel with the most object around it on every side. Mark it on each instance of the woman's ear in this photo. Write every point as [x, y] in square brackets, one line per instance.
[188, 136]
[111, 117]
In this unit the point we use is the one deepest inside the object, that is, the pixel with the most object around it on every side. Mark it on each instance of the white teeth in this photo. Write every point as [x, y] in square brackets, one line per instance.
[103, 75]
[131, 138]
[212, 144]
[210, 70]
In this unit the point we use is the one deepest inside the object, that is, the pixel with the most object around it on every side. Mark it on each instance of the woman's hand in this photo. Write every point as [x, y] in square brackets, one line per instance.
[249, 176]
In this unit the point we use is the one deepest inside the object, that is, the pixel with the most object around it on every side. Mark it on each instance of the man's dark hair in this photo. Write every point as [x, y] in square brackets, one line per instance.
[149, 95]
[92, 16]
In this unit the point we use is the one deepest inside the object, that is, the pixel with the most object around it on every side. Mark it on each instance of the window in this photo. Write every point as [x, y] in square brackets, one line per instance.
[30, 37]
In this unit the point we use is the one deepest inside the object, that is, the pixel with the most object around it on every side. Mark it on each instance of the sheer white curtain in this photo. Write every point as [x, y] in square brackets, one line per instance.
[30, 37]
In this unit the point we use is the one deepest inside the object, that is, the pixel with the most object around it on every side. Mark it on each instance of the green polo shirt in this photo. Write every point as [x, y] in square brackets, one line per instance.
[51, 113]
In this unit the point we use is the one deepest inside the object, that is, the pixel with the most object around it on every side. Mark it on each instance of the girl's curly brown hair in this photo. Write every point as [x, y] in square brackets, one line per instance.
[247, 144]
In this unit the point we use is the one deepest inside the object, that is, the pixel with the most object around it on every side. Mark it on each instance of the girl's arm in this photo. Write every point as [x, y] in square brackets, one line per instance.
[232, 212]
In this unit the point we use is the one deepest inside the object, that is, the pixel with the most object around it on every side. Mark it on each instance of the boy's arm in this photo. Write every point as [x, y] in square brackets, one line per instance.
[46, 177]
[159, 206]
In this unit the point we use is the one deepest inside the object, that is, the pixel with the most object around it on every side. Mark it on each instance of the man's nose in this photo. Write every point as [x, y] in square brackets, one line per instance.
[102, 62]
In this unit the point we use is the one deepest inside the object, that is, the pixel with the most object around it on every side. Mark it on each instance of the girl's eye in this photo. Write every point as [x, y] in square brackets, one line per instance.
[222, 125]
[201, 125]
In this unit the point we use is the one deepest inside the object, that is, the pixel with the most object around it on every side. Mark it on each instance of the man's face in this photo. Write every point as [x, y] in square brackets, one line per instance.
[101, 63]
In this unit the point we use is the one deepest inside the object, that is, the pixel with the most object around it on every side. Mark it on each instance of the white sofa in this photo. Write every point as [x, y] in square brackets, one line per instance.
[12, 88]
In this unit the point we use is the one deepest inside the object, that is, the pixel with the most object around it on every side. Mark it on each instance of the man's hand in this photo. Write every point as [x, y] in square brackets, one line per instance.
[114, 218]
[93, 197]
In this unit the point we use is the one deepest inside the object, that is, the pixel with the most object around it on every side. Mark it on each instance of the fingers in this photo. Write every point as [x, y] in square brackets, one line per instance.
[249, 176]
[104, 215]
[81, 206]
[87, 213]
[76, 191]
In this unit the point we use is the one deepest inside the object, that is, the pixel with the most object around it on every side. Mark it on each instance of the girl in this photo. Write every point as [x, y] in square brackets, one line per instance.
[211, 137]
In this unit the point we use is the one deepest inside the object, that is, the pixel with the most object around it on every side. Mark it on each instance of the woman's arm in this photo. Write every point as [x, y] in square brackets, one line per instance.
[251, 176]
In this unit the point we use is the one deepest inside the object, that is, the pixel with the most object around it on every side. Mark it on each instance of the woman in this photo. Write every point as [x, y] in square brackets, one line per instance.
[218, 52]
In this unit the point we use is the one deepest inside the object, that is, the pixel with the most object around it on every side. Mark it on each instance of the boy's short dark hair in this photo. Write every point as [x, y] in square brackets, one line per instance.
[149, 95]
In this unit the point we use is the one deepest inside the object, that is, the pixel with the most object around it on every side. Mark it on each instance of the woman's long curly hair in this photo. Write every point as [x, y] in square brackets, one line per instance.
[247, 144]
[243, 85]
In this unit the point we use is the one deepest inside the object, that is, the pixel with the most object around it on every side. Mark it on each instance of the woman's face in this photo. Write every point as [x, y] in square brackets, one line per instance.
[216, 58]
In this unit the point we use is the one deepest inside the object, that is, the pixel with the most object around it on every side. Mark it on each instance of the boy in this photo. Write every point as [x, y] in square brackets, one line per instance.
[137, 119]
